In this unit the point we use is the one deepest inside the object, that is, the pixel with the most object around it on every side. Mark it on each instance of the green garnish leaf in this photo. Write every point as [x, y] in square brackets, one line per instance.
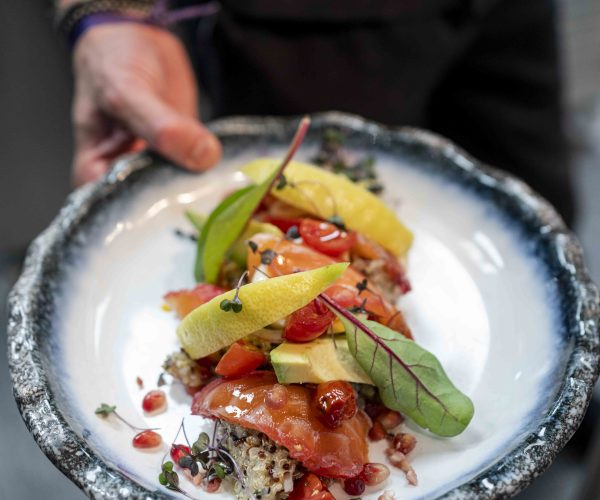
[197, 219]
[222, 228]
[162, 479]
[410, 379]
[219, 471]
[105, 410]
[200, 444]
[227, 221]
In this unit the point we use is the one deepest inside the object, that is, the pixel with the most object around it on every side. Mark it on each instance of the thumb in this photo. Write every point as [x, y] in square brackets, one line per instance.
[178, 137]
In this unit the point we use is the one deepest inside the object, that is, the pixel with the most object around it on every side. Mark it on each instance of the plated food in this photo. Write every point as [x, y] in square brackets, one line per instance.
[491, 267]
[292, 341]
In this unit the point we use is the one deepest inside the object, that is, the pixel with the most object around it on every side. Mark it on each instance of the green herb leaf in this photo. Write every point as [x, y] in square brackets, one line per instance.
[410, 379]
[200, 444]
[197, 219]
[223, 226]
[105, 410]
[226, 222]
[219, 471]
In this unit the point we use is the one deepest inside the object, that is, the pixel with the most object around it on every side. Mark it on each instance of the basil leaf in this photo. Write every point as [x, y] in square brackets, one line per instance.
[410, 379]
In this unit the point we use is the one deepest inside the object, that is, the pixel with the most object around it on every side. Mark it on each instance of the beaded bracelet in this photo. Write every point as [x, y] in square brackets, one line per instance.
[74, 21]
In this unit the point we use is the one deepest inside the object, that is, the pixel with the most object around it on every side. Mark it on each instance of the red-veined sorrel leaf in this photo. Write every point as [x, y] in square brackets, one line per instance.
[410, 379]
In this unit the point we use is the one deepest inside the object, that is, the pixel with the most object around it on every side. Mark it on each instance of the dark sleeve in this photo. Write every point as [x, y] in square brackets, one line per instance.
[501, 100]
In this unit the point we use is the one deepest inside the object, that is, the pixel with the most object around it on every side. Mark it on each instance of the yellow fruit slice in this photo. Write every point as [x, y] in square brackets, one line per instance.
[208, 328]
[325, 194]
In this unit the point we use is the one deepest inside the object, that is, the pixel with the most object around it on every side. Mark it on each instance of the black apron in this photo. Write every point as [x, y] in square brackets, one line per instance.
[484, 73]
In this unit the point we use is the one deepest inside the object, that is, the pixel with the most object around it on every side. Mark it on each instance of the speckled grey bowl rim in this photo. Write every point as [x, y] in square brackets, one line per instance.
[510, 474]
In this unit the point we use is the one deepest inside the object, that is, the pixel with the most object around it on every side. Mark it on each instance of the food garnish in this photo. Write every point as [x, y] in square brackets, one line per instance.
[409, 378]
[145, 438]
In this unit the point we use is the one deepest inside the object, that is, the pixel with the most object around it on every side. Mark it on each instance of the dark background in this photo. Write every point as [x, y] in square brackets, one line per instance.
[35, 150]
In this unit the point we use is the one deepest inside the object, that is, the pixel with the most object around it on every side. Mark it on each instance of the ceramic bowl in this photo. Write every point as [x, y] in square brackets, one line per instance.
[500, 295]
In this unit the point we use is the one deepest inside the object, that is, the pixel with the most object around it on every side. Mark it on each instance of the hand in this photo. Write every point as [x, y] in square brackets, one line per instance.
[134, 87]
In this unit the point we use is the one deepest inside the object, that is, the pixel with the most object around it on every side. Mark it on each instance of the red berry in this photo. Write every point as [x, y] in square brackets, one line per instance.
[154, 401]
[212, 485]
[377, 432]
[389, 419]
[373, 474]
[178, 451]
[404, 442]
[146, 439]
[354, 486]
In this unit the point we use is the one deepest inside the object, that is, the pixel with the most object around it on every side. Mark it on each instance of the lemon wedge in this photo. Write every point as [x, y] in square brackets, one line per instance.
[325, 194]
[208, 328]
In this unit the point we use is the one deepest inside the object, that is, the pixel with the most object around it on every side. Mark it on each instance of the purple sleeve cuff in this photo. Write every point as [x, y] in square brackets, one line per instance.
[99, 18]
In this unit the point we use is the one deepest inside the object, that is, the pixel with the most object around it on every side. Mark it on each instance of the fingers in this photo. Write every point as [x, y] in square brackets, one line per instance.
[93, 158]
[179, 137]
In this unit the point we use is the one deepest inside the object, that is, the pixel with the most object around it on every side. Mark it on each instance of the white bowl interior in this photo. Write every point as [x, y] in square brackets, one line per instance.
[479, 302]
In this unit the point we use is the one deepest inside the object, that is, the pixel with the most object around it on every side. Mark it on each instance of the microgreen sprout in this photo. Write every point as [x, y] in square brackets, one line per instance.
[362, 286]
[104, 410]
[234, 304]
[185, 235]
[281, 183]
[337, 221]
[161, 380]
[359, 309]
[292, 233]
[267, 256]
[168, 477]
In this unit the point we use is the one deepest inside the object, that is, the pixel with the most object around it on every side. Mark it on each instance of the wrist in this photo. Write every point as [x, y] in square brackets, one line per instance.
[74, 18]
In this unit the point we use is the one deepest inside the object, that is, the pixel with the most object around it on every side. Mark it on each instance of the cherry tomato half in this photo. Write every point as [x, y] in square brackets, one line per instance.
[325, 237]
[310, 487]
[308, 323]
[283, 223]
[239, 360]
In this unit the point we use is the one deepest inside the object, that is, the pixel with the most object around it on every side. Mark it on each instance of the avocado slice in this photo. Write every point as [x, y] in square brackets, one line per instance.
[209, 328]
[320, 360]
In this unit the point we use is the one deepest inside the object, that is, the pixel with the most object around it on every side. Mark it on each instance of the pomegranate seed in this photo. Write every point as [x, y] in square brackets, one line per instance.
[146, 439]
[398, 459]
[389, 419]
[154, 401]
[178, 451]
[354, 486]
[404, 442]
[377, 432]
[212, 485]
[277, 397]
[139, 382]
[335, 401]
[373, 474]
[373, 409]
